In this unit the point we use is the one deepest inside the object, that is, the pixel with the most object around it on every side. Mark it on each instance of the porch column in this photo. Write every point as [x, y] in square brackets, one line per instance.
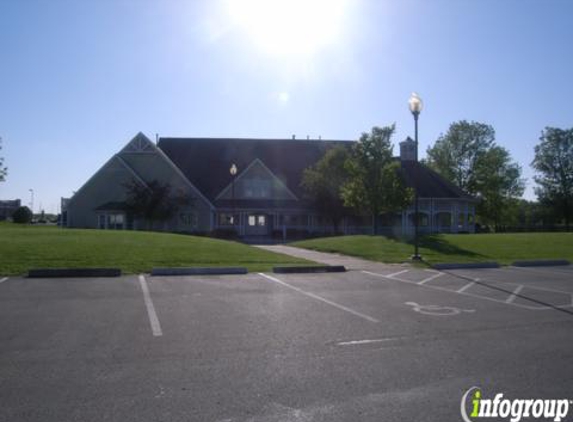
[455, 217]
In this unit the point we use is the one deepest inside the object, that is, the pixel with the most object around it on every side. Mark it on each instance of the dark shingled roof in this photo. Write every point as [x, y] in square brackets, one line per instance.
[206, 161]
[429, 183]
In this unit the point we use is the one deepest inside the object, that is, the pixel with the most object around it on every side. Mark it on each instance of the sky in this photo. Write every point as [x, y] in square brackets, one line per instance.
[80, 78]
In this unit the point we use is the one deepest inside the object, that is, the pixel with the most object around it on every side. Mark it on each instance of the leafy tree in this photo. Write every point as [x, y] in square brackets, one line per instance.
[499, 185]
[3, 170]
[554, 165]
[375, 184]
[153, 202]
[22, 215]
[457, 154]
[468, 156]
[323, 183]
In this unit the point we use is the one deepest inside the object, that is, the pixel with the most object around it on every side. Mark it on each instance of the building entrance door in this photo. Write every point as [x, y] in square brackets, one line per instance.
[257, 225]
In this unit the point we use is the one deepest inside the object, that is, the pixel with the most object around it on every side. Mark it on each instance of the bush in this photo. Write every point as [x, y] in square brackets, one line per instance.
[22, 215]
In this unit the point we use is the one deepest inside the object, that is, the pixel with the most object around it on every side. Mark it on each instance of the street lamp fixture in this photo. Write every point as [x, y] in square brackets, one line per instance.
[233, 171]
[416, 105]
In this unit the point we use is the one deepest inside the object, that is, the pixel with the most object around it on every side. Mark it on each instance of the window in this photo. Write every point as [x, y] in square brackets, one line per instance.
[444, 219]
[423, 220]
[115, 221]
[226, 219]
[257, 220]
[189, 219]
[256, 188]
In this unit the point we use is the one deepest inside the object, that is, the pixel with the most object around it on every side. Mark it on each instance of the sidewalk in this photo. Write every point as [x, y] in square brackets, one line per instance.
[349, 262]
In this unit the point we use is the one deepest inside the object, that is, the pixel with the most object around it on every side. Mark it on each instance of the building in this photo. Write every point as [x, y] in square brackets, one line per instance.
[263, 199]
[7, 208]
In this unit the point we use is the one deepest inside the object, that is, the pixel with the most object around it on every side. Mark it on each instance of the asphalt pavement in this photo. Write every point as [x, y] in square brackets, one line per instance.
[378, 343]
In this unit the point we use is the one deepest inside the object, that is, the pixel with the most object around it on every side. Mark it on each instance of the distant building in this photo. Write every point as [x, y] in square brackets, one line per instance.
[264, 199]
[7, 208]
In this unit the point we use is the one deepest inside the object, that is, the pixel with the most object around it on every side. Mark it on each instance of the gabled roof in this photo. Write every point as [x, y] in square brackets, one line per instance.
[429, 183]
[206, 161]
[258, 170]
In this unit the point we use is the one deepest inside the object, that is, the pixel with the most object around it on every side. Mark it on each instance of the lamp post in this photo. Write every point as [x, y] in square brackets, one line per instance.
[415, 104]
[32, 201]
[233, 171]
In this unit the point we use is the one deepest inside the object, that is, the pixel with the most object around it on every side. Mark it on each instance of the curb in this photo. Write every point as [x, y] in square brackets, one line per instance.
[455, 266]
[73, 272]
[198, 271]
[313, 269]
[541, 263]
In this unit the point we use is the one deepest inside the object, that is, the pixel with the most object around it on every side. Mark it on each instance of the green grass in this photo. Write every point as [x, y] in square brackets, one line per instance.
[443, 248]
[24, 247]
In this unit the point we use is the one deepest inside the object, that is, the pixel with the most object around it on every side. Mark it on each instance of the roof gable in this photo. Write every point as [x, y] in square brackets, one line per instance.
[139, 144]
[429, 183]
[257, 182]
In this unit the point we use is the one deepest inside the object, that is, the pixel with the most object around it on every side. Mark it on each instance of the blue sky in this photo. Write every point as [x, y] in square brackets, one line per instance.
[79, 78]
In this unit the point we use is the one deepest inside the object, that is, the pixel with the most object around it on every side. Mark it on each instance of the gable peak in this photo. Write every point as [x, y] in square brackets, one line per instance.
[139, 143]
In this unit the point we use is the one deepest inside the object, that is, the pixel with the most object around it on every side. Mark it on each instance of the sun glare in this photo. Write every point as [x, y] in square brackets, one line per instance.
[289, 27]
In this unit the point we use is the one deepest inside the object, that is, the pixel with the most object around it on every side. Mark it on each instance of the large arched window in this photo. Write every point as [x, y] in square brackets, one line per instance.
[443, 219]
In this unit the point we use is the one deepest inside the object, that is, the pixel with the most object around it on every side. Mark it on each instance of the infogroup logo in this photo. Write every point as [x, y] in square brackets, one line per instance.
[515, 410]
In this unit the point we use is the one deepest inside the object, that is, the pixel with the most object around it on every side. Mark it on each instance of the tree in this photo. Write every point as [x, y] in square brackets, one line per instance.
[499, 185]
[468, 156]
[375, 184]
[22, 215]
[3, 170]
[554, 165]
[323, 183]
[457, 154]
[153, 201]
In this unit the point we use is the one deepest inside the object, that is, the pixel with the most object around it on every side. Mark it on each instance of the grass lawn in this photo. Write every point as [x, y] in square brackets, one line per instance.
[24, 247]
[503, 248]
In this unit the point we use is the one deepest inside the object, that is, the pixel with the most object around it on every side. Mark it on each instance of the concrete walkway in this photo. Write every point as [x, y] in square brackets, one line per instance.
[349, 262]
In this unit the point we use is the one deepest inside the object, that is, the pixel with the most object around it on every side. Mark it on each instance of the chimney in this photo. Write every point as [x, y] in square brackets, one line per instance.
[408, 150]
[293, 136]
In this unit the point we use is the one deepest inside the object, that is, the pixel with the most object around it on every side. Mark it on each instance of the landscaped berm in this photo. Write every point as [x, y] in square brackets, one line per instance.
[447, 248]
[26, 247]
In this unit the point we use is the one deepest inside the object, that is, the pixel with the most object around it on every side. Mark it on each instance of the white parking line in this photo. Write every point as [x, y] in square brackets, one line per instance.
[3, 279]
[491, 299]
[358, 342]
[513, 296]
[510, 283]
[312, 295]
[398, 273]
[153, 320]
[430, 278]
[467, 286]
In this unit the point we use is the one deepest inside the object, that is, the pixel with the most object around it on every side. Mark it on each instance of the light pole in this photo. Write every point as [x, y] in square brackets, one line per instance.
[32, 201]
[415, 104]
[233, 171]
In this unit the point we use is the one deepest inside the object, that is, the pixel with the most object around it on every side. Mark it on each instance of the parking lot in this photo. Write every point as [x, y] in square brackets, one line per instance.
[385, 343]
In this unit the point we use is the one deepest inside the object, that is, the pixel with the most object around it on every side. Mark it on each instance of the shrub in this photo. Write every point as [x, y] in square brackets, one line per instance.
[22, 215]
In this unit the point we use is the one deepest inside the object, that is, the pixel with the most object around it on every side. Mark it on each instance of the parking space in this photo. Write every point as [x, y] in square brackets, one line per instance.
[384, 343]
